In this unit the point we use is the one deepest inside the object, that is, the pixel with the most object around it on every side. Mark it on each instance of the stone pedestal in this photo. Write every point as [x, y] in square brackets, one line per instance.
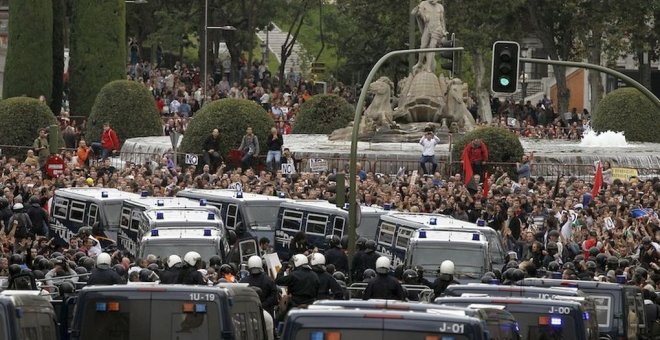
[422, 98]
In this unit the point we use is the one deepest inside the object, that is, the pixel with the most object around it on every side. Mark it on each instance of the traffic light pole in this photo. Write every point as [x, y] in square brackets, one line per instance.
[352, 194]
[625, 78]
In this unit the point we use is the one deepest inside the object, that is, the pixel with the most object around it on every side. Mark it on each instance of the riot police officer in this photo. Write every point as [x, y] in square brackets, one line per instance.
[357, 265]
[335, 255]
[190, 274]
[445, 278]
[103, 273]
[328, 287]
[384, 286]
[258, 278]
[301, 282]
[173, 271]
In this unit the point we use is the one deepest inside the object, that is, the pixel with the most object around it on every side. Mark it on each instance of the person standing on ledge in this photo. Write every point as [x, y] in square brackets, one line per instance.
[428, 142]
[249, 147]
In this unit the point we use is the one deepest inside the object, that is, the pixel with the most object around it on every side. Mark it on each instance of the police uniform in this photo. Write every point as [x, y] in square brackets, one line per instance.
[268, 288]
[302, 284]
[170, 276]
[329, 288]
[192, 276]
[104, 276]
[384, 286]
[338, 258]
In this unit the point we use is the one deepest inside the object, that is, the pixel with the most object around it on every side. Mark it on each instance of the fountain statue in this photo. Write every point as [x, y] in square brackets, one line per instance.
[425, 100]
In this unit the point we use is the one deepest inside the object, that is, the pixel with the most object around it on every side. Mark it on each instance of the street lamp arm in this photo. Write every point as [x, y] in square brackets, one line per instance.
[352, 197]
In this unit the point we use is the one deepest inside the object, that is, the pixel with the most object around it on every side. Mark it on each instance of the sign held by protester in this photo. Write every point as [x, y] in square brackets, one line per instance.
[273, 264]
[624, 174]
[318, 165]
[288, 169]
[191, 159]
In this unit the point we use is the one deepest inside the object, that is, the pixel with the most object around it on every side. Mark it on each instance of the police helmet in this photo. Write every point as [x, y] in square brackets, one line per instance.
[552, 246]
[624, 263]
[612, 263]
[89, 263]
[299, 260]
[226, 269]
[78, 256]
[601, 260]
[103, 261]
[192, 258]
[360, 243]
[593, 251]
[398, 272]
[16, 259]
[344, 242]
[14, 269]
[368, 274]
[147, 275]
[410, 277]
[569, 265]
[119, 269]
[383, 265]
[512, 264]
[39, 275]
[517, 275]
[317, 259]
[339, 276]
[591, 266]
[487, 277]
[153, 267]
[67, 287]
[255, 265]
[370, 246]
[215, 261]
[173, 260]
[55, 254]
[447, 267]
[334, 241]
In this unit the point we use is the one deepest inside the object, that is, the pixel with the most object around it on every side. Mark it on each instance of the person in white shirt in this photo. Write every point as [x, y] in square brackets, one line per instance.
[428, 142]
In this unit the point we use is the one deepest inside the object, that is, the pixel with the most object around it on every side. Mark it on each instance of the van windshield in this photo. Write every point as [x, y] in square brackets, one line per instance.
[468, 262]
[149, 319]
[362, 334]
[262, 215]
[163, 250]
[534, 326]
[112, 214]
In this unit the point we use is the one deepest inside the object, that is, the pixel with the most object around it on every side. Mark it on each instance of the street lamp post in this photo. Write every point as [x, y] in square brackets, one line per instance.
[264, 52]
[206, 46]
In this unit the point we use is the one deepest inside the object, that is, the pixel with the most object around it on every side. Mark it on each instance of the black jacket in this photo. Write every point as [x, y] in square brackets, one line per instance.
[268, 288]
[329, 288]
[274, 144]
[191, 276]
[102, 276]
[38, 217]
[170, 276]
[357, 265]
[212, 144]
[338, 258]
[384, 287]
[302, 284]
[370, 260]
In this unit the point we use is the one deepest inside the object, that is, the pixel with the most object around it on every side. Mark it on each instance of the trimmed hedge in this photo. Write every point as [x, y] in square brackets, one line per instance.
[20, 121]
[98, 50]
[503, 145]
[129, 107]
[29, 67]
[323, 114]
[231, 117]
[628, 110]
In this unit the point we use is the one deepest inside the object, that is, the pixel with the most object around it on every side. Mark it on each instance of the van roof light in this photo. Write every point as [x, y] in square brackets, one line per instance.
[211, 216]
[207, 232]
[475, 237]
[433, 221]
[154, 232]
[104, 194]
[160, 215]
[202, 202]
[144, 193]
[422, 234]
[387, 206]
[621, 279]
[160, 203]
[481, 222]
[239, 194]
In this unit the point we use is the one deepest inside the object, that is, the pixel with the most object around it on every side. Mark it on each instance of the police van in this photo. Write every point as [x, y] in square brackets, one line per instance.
[556, 293]
[320, 322]
[430, 247]
[135, 223]
[225, 311]
[74, 208]
[250, 215]
[319, 219]
[27, 315]
[620, 308]
[500, 323]
[537, 318]
[164, 242]
[394, 231]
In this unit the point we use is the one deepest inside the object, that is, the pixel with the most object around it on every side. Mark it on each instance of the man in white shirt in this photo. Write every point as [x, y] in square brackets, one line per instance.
[428, 142]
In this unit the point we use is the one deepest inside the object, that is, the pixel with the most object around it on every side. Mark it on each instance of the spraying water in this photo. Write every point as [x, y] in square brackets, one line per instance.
[607, 139]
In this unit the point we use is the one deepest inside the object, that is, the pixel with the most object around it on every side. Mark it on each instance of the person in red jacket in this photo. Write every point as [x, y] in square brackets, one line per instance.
[109, 142]
[475, 155]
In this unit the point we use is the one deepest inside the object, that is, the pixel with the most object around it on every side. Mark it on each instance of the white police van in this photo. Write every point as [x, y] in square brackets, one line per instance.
[430, 247]
[320, 219]
[395, 230]
[250, 215]
[73, 208]
[133, 223]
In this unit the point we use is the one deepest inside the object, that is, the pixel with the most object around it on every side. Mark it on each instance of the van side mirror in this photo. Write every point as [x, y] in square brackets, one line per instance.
[231, 237]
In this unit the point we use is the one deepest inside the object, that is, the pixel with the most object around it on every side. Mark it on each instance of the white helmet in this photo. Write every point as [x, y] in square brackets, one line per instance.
[173, 260]
[447, 267]
[254, 264]
[192, 257]
[103, 260]
[317, 259]
[383, 265]
[299, 260]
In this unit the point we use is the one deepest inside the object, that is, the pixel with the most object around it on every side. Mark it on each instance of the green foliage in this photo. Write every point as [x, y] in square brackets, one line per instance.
[98, 50]
[59, 15]
[503, 145]
[323, 114]
[231, 117]
[20, 121]
[129, 108]
[628, 110]
[29, 67]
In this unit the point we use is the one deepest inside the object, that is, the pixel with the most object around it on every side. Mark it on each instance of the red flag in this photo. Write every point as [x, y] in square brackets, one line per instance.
[467, 165]
[486, 188]
[598, 181]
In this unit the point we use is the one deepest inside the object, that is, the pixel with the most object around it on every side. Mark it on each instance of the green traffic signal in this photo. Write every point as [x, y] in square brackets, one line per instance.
[505, 81]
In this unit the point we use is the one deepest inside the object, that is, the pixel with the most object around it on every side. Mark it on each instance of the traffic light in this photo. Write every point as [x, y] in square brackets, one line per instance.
[318, 68]
[504, 71]
[451, 56]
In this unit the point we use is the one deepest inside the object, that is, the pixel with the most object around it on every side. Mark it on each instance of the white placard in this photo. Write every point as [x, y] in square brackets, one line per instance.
[191, 159]
[273, 264]
[288, 169]
[318, 165]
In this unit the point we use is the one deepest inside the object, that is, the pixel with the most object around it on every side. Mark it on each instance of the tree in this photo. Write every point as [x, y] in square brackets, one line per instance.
[98, 50]
[130, 109]
[477, 25]
[323, 114]
[59, 16]
[556, 24]
[20, 121]
[301, 9]
[628, 110]
[29, 65]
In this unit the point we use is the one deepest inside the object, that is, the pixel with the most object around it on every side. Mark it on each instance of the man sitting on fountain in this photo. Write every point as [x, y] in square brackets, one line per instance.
[428, 142]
